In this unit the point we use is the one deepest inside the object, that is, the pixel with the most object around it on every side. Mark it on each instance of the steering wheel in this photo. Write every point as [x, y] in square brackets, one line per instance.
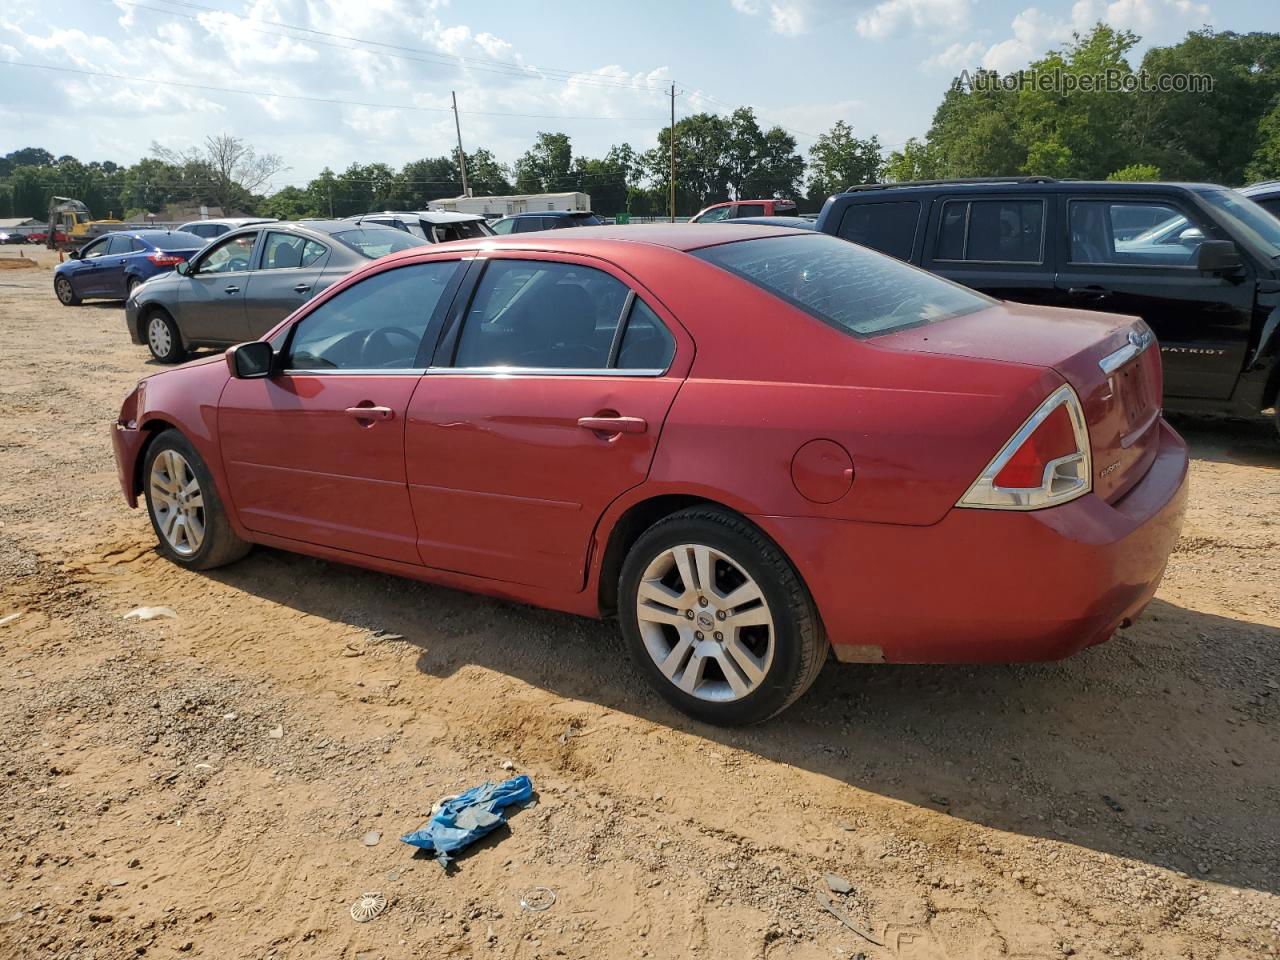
[383, 335]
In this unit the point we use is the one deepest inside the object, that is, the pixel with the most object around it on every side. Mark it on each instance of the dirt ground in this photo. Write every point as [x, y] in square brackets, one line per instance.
[205, 786]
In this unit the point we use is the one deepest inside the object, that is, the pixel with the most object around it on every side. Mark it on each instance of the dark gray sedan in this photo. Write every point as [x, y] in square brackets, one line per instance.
[246, 281]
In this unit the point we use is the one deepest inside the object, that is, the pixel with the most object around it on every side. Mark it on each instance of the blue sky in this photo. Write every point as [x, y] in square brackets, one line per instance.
[597, 71]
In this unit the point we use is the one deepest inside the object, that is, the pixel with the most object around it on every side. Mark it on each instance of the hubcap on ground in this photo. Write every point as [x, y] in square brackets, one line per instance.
[177, 503]
[158, 336]
[705, 623]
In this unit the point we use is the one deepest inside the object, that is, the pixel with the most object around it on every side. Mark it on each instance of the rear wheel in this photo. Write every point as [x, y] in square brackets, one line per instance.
[186, 512]
[130, 286]
[718, 619]
[163, 338]
[65, 291]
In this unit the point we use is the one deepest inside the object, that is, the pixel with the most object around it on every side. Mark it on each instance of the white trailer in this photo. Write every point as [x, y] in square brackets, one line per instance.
[516, 203]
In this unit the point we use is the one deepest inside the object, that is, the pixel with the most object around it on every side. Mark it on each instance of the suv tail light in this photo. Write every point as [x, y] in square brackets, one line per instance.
[1045, 463]
[165, 259]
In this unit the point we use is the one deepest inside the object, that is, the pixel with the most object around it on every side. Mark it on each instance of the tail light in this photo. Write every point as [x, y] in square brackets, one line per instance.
[165, 259]
[1045, 463]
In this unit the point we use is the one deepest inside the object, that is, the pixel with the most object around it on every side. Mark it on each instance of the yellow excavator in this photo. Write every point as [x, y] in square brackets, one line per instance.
[70, 224]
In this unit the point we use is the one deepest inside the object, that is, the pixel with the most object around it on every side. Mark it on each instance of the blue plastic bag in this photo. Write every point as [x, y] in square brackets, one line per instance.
[464, 819]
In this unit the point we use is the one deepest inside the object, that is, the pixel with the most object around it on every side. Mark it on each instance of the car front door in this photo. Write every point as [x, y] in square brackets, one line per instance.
[997, 245]
[315, 452]
[543, 405]
[88, 276]
[1110, 262]
[119, 249]
[211, 298]
[288, 275]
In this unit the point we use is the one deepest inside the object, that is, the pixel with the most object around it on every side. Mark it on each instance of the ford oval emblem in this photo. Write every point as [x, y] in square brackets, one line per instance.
[1141, 339]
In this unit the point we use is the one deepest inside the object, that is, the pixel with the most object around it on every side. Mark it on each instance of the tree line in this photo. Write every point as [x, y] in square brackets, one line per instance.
[1229, 135]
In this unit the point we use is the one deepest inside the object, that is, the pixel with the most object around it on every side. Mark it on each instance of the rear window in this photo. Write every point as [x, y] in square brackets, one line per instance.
[374, 242]
[853, 289]
[178, 240]
[585, 220]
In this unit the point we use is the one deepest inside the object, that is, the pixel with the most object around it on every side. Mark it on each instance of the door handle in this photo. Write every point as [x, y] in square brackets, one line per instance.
[614, 424]
[301, 287]
[1093, 290]
[371, 413]
[231, 289]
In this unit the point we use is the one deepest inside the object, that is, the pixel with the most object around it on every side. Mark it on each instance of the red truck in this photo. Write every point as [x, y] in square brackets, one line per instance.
[736, 209]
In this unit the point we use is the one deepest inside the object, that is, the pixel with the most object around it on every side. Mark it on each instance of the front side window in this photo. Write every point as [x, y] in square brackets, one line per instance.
[992, 231]
[230, 255]
[714, 214]
[375, 324]
[503, 227]
[528, 313]
[1132, 232]
[285, 250]
[96, 249]
[851, 288]
[887, 227]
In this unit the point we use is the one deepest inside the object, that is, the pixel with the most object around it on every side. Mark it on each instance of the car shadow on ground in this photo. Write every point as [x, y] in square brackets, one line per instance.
[1159, 746]
[1253, 443]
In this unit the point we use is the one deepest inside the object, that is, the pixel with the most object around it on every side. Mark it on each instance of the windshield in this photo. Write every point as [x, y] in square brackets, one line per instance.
[1247, 220]
[853, 289]
[374, 242]
[178, 240]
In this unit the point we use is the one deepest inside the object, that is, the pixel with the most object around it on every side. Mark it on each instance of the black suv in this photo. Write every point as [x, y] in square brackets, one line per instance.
[1199, 263]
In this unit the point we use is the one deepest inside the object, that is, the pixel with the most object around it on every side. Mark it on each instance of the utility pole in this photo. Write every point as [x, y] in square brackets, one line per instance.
[462, 157]
[672, 144]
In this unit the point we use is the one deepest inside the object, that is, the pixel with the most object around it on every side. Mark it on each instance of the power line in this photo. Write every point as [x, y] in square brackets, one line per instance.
[332, 101]
[491, 65]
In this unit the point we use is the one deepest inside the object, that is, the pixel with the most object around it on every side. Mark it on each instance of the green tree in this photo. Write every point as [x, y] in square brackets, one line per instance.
[838, 158]
[1265, 164]
[915, 161]
[486, 176]
[1136, 173]
[546, 166]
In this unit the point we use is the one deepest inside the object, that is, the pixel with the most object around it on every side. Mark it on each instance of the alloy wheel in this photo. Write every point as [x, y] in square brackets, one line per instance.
[177, 503]
[64, 289]
[158, 337]
[705, 622]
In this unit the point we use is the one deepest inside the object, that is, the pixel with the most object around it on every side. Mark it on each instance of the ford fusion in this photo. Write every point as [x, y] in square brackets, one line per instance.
[755, 446]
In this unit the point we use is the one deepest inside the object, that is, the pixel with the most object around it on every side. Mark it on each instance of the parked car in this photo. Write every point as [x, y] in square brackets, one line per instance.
[858, 456]
[1265, 194]
[245, 282]
[1199, 263]
[114, 265]
[435, 226]
[216, 228]
[736, 209]
[546, 220]
[42, 236]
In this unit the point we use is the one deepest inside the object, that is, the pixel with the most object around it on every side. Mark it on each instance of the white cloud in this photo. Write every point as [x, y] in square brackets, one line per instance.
[888, 17]
[787, 17]
[958, 56]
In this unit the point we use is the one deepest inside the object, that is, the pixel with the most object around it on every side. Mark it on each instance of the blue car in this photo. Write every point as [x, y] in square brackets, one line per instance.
[111, 266]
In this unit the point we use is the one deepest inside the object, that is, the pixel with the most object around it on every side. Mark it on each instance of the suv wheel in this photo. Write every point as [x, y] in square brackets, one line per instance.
[718, 619]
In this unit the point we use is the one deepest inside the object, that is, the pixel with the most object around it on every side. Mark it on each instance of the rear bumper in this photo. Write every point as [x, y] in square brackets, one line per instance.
[992, 585]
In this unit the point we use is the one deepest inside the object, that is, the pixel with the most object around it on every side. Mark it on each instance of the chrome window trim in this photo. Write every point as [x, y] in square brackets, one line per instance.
[355, 372]
[542, 372]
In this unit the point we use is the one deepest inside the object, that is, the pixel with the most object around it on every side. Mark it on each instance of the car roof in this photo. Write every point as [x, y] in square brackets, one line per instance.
[148, 234]
[1023, 184]
[233, 221]
[323, 226]
[674, 236]
[550, 213]
[1261, 189]
[431, 216]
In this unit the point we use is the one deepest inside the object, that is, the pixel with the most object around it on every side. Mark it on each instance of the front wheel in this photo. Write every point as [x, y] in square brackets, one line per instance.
[163, 339]
[718, 619]
[66, 293]
[186, 512]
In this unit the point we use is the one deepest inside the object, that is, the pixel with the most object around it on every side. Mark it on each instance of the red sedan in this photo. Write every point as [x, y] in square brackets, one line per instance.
[753, 445]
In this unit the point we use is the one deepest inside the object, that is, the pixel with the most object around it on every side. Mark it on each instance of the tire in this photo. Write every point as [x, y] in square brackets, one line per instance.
[65, 292]
[130, 285]
[781, 633]
[199, 534]
[162, 336]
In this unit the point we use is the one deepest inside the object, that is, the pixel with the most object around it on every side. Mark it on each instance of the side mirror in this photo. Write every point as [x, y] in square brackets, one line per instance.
[182, 267]
[75, 254]
[250, 361]
[1218, 256]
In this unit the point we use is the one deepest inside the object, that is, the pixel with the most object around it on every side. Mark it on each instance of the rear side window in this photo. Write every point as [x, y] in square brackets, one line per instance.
[530, 313]
[375, 324]
[285, 250]
[646, 343]
[853, 289]
[992, 231]
[118, 243]
[887, 227]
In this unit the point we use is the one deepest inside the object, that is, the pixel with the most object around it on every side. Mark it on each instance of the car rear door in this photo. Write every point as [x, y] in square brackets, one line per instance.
[287, 276]
[119, 249]
[1118, 258]
[211, 298]
[315, 453]
[545, 402]
[994, 243]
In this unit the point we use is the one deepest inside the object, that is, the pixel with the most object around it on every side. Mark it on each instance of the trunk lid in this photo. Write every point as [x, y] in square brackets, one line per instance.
[1112, 362]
